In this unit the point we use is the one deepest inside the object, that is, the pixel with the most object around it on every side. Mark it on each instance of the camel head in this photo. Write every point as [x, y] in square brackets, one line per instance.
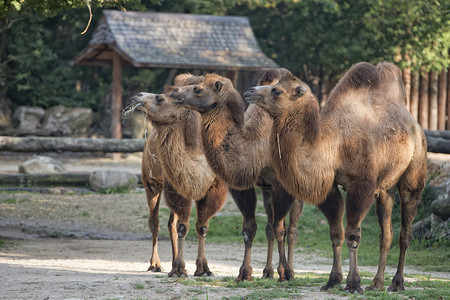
[280, 96]
[158, 107]
[204, 96]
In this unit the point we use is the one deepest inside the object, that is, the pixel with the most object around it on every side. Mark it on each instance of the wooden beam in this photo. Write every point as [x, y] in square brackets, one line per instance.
[442, 97]
[60, 144]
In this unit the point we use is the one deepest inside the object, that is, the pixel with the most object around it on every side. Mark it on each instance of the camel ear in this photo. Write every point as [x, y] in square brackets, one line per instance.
[299, 91]
[218, 86]
[169, 88]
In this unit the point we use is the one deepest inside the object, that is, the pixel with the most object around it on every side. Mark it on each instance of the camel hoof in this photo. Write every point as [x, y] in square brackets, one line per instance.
[267, 275]
[374, 287]
[396, 288]
[354, 287]
[329, 286]
[243, 278]
[178, 273]
[155, 269]
[204, 274]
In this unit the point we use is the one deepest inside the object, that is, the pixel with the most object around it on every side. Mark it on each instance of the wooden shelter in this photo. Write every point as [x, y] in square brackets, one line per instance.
[169, 40]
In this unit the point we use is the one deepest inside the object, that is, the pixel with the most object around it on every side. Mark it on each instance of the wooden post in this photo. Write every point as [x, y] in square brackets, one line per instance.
[433, 102]
[116, 109]
[414, 104]
[442, 99]
[423, 101]
[233, 76]
[407, 83]
[448, 100]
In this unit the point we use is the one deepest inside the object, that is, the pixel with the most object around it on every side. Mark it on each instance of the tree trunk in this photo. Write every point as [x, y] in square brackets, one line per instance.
[448, 100]
[60, 144]
[116, 109]
[171, 76]
[423, 101]
[407, 84]
[433, 102]
[442, 99]
[414, 104]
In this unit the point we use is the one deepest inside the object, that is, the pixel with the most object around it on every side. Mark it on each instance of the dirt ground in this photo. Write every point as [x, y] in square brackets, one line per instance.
[64, 244]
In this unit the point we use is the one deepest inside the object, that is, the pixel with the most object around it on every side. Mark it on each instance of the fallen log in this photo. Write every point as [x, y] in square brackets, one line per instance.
[60, 144]
[438, 141]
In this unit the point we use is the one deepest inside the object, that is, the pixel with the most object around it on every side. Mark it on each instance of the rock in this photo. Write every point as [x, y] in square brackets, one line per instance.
[41, 165]
[5, 112]
[441, 206]
[65, 121]
[102, 181]
[28, 118]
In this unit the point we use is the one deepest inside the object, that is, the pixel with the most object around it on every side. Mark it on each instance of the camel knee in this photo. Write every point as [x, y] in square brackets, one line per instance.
[353, 239]
[153, 224]
[279, 232]
[182, 231]
[201, 230]
[269, 231]
[249, 231]
[405, 238]
[292, 234]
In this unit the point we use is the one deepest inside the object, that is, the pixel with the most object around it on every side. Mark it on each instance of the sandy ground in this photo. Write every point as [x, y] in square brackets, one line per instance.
[90, 246]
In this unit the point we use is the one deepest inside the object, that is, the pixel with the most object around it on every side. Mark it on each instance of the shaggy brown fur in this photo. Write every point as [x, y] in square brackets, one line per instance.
[364, 139]
[177, 151]
[237, 149]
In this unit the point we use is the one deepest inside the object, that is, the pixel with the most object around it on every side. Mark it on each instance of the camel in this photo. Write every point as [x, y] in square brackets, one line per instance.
[174, 162]
[238, 151]
[363, 139]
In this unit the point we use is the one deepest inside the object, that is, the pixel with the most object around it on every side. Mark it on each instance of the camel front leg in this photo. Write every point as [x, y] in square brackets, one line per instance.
[333, 209]
[153, 201]
[360, 197]
[281, 203]
[385, 202]
[246, 202]
[178, 229]
[207, 207]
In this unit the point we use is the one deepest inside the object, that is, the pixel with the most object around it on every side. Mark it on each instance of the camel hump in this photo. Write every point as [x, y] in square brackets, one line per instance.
[360, 75]
[187, 79]
[268, 76]
[391, 80]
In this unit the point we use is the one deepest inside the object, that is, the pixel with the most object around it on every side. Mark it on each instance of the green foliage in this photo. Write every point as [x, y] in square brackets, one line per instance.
[313, 38]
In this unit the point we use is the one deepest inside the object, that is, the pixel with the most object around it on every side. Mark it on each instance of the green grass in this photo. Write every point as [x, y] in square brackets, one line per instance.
[424, 288]
[2, 243]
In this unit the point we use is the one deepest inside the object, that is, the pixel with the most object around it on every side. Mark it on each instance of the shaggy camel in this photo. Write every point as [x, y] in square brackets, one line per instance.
[175, 153]
[363, 139]
[237, 148]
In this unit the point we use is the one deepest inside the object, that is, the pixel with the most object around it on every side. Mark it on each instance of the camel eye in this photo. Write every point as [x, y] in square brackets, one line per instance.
[276, 92]
[159, 100]
[197, 90]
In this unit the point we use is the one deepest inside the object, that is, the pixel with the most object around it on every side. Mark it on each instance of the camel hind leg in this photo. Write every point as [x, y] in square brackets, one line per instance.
[246, 202]
[281, 203]
[178, 228]
[410, 187]
[385, 203]
[268, 269]
[292, 232]
[207, 207]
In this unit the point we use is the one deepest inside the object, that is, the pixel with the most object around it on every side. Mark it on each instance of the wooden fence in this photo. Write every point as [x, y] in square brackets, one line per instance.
[428, 98]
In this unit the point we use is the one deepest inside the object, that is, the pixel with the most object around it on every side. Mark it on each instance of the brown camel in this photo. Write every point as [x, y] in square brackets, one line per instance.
[363, 139]
[173, 159]
[237, 148]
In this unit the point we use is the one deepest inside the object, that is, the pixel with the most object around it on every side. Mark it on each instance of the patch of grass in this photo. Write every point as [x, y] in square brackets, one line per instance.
[2, 243]
[85, 214]
[10, 201]
[138, 286]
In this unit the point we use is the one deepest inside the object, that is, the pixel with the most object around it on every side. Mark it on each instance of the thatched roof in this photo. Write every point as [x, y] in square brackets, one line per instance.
[169, 40]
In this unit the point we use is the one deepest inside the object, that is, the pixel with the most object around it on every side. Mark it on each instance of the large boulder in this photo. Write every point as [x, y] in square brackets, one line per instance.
[65, 121]
[441, 206]
[28, 119]
[41, 165]
[109, 180]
